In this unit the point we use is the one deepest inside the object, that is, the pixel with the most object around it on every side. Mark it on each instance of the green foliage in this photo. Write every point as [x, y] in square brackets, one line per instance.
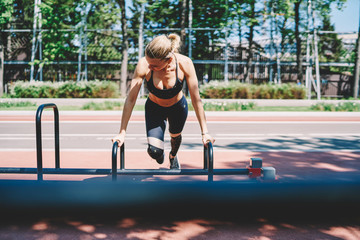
[339, 107]
[22, 104]
[237, 90]
[107, 105]
[91, 89]
[6, 11]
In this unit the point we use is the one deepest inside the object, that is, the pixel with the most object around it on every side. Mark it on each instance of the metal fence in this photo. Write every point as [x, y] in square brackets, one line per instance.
[100, 58]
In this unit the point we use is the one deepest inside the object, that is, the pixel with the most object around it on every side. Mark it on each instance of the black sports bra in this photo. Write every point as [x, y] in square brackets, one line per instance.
[165, 93]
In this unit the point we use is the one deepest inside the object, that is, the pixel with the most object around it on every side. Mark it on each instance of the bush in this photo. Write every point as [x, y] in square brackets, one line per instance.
[236, 90]
[224, 106]
[90, 89]
[340, 107]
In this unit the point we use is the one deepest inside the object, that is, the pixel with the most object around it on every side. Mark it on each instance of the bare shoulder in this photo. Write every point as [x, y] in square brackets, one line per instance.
[185, 62]
[142, 68]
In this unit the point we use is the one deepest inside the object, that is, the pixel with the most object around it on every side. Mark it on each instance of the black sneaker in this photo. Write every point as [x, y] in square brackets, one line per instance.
[160, 160]
[174, 163]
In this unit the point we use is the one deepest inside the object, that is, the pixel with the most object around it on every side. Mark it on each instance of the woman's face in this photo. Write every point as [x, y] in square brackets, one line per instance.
[157, 64]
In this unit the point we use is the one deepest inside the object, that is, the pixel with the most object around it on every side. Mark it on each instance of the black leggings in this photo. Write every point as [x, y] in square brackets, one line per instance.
[156, 117]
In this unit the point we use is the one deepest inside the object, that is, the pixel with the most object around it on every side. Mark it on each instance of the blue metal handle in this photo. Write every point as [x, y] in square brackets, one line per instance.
[114, 159]
[39, 139]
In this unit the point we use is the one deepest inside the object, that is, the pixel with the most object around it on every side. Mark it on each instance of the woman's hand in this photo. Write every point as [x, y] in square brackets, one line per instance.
[120, 138]
[207, 138]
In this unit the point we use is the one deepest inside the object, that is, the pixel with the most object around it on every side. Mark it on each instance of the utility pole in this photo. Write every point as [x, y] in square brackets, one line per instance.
[35, 43]
[141, 41]
[308, 77]
[1, 69]
[190, 28]
[317, 67]
[226, 67]
[357, 63]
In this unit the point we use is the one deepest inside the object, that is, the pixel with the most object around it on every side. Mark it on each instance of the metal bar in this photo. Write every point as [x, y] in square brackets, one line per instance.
[114, 161]
[210, 161]
[122, 156]
[57, 138]
[19, 170]
[334, 64]
[162, 172]
[39, 139]
[60, 171]
[240, 171]
[205, 158]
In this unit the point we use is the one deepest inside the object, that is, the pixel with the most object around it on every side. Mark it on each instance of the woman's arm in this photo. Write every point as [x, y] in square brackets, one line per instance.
[130, 101]
[192, 82]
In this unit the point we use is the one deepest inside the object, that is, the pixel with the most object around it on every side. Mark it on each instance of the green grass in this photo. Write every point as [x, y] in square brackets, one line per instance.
[214, 106]
[281, 109]
[17, 106]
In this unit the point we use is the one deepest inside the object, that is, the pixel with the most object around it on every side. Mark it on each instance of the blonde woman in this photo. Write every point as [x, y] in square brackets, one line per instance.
[165, 71]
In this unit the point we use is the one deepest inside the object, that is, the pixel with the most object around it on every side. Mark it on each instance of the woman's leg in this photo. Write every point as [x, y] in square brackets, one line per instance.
[177, 116]
[155, 129]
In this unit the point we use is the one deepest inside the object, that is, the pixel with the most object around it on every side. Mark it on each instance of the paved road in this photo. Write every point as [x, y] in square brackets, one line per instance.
[287, 135]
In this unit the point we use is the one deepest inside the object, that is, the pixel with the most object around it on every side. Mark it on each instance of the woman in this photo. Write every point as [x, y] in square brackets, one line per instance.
[164, 70]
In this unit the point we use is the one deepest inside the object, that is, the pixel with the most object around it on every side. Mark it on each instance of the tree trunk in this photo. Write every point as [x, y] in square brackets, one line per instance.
[357, 67]
[125, 46]
[299, 61]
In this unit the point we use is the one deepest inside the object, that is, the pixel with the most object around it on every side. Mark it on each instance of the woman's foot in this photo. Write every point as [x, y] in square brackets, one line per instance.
[160, 160]
[174, 163]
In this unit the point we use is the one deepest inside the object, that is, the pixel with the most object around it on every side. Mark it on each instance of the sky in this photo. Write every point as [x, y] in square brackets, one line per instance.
[347, 20]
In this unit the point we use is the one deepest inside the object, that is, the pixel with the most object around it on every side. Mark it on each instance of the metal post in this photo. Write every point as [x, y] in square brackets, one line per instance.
[226, 67]
[278, 54]
[317, 68]
[210, 162]
[190, 28]
[81, 44]
[33, 47]
[57, 138]
[205, 158]
[272, 44]
[122, 156]
[1, 70]
[141, 42]
[357, 63]
[85, 52]
[40, 44]
[114, 161]
[308, 67]
[39, 139]
[39, 143]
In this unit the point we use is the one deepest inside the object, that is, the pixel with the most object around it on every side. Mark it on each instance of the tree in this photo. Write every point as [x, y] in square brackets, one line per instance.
[6, 10]
[329, 45]
[252, 22]
[125, 46]
[57, 45]
[299, 60]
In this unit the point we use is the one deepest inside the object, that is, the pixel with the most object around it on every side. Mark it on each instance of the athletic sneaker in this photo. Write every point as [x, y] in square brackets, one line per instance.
[160, 160]
[174, 163]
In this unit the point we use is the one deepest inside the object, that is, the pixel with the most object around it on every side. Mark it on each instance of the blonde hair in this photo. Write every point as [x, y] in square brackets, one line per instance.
[161, 47]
